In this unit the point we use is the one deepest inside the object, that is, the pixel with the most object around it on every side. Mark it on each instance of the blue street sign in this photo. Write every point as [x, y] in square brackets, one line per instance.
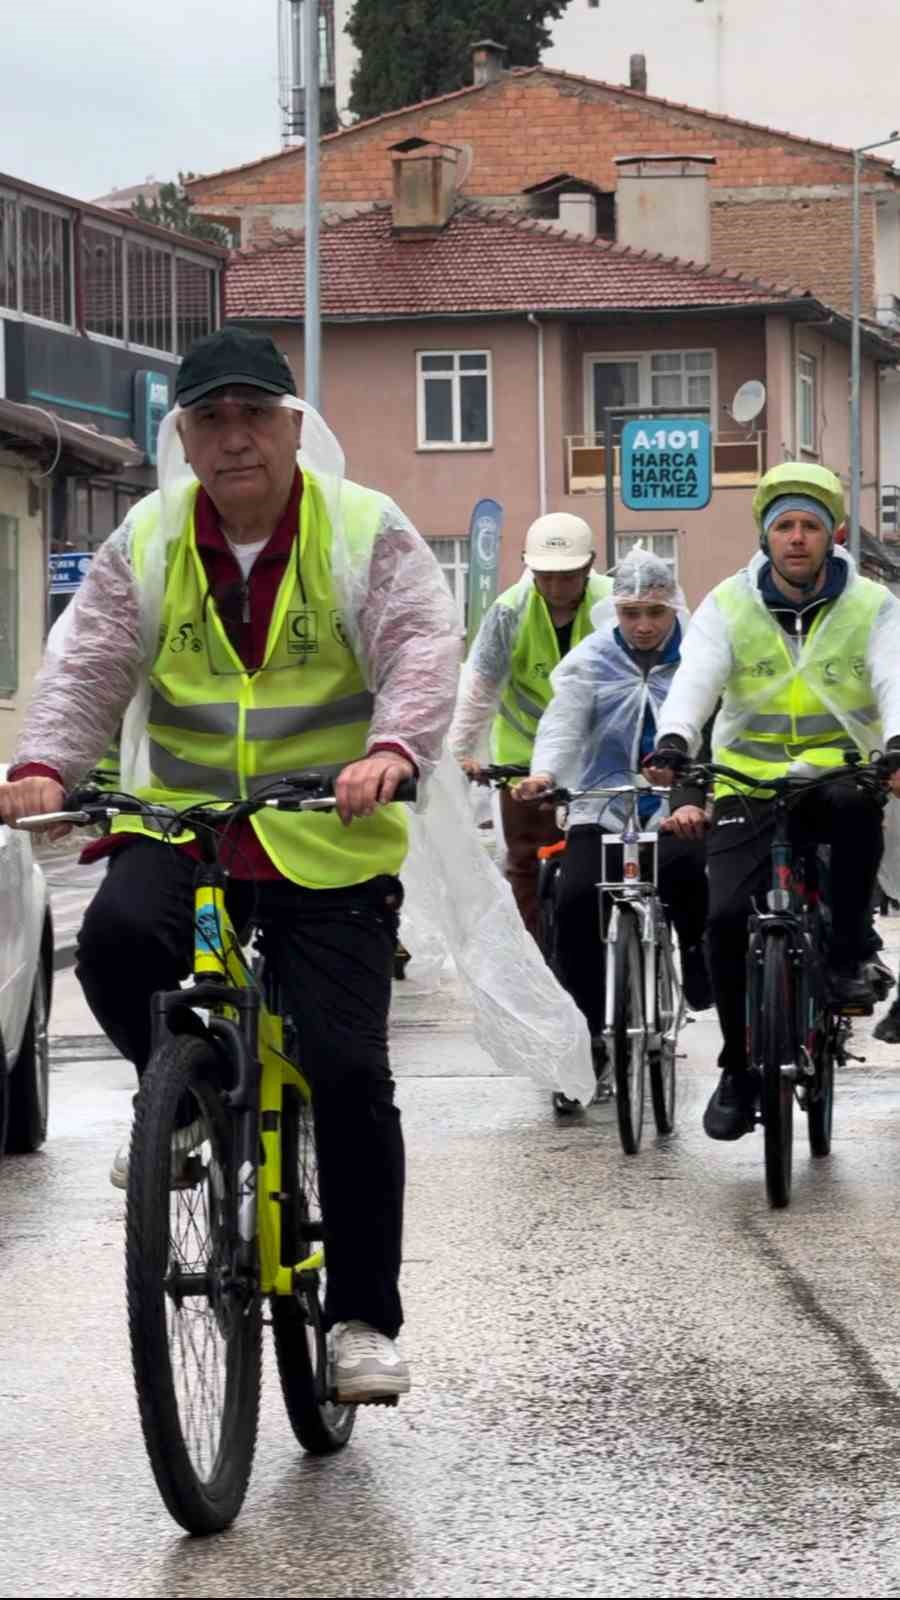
[485, 527]
[666, 464]
[68, 569]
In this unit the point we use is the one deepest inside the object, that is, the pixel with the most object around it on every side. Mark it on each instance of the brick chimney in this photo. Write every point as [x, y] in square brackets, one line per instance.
[488, 62]
[662, 205]
[425, 178]
[637, 74]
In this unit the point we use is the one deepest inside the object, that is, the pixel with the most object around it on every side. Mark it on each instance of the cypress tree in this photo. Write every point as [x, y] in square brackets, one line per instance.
[415, 49]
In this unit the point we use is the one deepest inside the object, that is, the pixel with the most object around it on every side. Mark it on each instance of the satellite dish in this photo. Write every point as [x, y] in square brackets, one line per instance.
[749, 401]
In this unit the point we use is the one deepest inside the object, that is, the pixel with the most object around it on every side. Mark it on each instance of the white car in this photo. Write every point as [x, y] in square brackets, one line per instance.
[26, 979]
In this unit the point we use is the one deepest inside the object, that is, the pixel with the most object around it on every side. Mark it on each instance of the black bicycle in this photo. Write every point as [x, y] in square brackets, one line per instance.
[797, 1031]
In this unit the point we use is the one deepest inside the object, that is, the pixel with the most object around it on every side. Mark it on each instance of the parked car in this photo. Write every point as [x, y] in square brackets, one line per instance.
[26, 981]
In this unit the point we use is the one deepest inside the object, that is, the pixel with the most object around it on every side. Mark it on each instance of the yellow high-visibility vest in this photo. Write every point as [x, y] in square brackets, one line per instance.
[217, 732]
[819, 695]
[535, 653]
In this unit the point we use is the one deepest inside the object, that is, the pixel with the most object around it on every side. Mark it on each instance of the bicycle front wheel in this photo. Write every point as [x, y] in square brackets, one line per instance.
[777, 1053]
[320, 1424]
[629, 1032]
[662, 1060]
[195, 1328]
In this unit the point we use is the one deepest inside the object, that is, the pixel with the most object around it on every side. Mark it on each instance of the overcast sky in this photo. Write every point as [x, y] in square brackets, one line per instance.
[98, 94]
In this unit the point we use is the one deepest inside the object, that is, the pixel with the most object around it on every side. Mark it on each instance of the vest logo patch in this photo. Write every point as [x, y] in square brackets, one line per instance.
[542, 669]
[302, 632]
[339, 630]
[831, 671]
[763, 669]
[184, 638]
[858, 666]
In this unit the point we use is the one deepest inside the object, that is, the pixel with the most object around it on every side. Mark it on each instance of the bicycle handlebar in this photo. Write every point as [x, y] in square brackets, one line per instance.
[869, 773]
[310, 793]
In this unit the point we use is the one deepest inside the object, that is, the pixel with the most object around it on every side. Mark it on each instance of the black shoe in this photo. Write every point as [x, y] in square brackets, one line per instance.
[888, 1029]
[602, 1072]
[731, 1109]
[695, 978]
[881, 977]
[850, 989]
[563, 1106]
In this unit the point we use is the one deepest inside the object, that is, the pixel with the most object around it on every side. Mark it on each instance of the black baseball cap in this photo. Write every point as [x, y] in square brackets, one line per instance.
[228, 357]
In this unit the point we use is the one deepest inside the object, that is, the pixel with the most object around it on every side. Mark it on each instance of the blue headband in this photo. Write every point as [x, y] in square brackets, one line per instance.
[798, 502]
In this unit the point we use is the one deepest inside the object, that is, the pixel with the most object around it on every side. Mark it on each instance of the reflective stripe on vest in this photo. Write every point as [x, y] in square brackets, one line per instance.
[535, 652]
[217, 735]
[794, 723]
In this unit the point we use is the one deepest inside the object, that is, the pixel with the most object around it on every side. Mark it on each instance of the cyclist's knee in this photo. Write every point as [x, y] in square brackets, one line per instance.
[110, 928]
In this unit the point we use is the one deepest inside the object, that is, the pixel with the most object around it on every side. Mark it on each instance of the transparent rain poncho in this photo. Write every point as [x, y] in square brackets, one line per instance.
[457, 903]
[591, 730]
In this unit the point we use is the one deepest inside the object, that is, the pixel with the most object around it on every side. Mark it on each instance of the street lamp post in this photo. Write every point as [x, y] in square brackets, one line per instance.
[855, 343]
[312, 320]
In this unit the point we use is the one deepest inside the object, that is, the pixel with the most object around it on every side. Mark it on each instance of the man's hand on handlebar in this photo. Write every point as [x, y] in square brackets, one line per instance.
[473, 769]
[889, 767]
[688, 822]
[369, 783]
[663, 765]
[535, 787]
[28, 797]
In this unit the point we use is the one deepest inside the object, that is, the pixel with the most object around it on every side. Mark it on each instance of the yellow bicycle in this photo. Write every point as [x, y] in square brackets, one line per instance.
[222, 1205]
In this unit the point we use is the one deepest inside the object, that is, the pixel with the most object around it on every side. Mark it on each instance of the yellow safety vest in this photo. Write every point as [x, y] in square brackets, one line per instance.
[217, 732]
[535, 653]
[819, 696]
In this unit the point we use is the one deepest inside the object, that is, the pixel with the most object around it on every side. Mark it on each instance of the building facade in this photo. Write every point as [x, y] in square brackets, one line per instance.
[96, 310]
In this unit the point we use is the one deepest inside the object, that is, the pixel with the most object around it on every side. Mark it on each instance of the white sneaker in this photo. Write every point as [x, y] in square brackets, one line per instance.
[367, 1365]
[184, 1143]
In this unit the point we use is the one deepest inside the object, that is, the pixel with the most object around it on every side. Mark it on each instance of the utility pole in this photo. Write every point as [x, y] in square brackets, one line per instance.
[312, 320]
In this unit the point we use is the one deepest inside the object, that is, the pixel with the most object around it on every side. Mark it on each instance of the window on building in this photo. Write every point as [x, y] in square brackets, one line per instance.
[195, 307]
[681, 378]
[454, 400]
[149, 296]
[651, 378]
[46, 264]
[664, 545]
[102, 282]
[9, 237]
[9, 606]
[807, 404]
[453, 558]
[96, 507]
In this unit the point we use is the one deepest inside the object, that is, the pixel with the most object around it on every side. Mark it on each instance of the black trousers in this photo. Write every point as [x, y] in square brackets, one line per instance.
[333, 953]
[681, 873]
[740, 872]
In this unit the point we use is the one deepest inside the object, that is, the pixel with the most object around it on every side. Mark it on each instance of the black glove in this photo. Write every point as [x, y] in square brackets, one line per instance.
[668, 755]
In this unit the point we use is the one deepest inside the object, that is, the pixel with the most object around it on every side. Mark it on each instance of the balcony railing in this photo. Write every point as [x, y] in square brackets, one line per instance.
[737, 461]
[890, 510]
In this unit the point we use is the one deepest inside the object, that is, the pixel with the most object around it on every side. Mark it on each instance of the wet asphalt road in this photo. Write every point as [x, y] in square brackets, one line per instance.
[630, 1377]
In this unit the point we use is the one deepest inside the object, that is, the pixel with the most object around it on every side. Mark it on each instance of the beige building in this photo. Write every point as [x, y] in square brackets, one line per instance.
[470, 352]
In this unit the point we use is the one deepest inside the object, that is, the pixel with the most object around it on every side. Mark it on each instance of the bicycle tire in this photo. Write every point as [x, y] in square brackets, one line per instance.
[663, 1088]
[201, 1462]
[320, 1425]
[628, 1047]
[820, 1102]
[777, 1049]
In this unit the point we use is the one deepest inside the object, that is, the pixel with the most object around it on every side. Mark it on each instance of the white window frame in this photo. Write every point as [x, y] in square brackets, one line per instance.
[459, 566]
[643, 358]
[808, 382]
[627, 538]
[422, 378]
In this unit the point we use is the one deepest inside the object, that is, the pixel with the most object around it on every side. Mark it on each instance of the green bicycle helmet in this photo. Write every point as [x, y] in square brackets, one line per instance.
[804, 480]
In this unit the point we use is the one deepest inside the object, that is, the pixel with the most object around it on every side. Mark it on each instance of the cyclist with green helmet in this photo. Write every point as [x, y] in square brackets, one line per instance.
[804, 655]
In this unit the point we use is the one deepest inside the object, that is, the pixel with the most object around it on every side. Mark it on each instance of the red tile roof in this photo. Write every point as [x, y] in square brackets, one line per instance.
[483, 262]
[885, 163]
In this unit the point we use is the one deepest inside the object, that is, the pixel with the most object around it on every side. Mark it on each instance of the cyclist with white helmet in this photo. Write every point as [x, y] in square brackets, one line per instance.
[505, 685]
[805, 656]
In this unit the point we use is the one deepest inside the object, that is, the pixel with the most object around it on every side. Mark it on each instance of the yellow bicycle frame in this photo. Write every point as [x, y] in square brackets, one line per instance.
[218, 958]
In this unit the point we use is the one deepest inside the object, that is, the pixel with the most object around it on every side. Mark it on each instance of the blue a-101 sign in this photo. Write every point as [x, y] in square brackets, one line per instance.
[666, 463]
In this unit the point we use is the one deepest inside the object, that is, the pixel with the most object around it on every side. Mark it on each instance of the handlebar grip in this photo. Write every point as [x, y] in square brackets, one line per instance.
[407, 790]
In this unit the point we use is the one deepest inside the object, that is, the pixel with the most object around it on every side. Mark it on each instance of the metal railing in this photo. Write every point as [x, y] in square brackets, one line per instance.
[737, 461]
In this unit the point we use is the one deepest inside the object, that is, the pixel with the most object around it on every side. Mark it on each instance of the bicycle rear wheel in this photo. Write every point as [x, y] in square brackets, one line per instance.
[777, 1050]
[301, 1344]
[820, 1102]
[662, 1060]
[629, 1033]
[195, 1329]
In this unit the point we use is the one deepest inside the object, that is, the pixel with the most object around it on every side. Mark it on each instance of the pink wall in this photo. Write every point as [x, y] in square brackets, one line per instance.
[369, 397]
